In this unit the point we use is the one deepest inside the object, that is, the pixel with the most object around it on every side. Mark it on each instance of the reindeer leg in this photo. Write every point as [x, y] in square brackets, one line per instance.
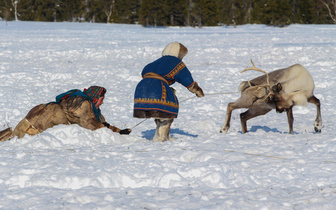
[246, 100]
[226, 126]
[251, 113]
[318, 120]
[243, 119]
[290, 119]
[240, 103]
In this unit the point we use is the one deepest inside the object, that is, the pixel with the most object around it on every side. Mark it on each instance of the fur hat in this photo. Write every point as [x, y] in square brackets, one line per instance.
[94, 93]
[175, 49]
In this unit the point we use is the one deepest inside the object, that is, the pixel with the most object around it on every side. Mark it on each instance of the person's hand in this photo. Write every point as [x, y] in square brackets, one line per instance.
[125, 131]
[199, 93]
[194, 88]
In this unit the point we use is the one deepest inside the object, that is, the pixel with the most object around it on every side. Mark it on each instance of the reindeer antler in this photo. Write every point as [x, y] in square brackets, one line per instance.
[256, 69]
[259, 86]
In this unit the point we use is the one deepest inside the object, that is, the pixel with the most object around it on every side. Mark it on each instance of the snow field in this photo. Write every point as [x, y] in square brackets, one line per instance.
[69, 167]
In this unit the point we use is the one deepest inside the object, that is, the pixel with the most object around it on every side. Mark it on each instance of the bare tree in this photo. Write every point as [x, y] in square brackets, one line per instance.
[189, 9]
[233, 13]
[57, 6]
[108, 9]
[331, 6]
[15, 3]
[249, 9]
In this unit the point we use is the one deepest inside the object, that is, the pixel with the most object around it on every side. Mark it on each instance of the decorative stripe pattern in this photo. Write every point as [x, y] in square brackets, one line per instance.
[176, 70]
[164, 92]
[156, 109]
[155, 101]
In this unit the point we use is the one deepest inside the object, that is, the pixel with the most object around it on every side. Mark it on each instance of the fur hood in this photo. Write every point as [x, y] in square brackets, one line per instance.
[175, 49]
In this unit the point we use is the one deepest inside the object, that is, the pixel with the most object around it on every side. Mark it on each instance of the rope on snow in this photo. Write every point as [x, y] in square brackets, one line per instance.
[209, 94]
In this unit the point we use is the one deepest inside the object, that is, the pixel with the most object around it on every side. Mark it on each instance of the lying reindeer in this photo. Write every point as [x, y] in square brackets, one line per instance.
[281, 90]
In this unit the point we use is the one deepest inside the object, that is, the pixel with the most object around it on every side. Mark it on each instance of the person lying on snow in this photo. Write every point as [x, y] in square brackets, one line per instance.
[71, 107]
[154, 98]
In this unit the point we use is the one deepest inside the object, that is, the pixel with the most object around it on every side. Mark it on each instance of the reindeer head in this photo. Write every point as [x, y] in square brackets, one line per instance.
[281, 104]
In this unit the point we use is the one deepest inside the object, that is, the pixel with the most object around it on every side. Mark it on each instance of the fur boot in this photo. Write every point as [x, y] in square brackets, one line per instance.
[162, 132]
[6, 134]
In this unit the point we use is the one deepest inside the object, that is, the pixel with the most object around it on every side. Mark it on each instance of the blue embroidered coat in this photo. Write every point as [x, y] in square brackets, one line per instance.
[153, 92]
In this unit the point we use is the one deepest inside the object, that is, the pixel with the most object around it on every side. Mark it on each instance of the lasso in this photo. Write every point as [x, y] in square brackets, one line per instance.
[208, 94]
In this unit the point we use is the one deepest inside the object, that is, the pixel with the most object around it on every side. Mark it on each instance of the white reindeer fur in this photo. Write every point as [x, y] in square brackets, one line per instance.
[297, 85]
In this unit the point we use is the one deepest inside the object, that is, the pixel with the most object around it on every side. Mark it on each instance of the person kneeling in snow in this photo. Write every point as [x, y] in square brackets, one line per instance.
[154, 98]
[71, 107]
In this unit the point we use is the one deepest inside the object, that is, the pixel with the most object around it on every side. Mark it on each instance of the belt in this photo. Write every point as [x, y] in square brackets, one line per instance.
[155, 76]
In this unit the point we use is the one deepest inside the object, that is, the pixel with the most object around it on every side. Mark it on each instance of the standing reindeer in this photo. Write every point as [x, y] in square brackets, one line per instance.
[281, 90]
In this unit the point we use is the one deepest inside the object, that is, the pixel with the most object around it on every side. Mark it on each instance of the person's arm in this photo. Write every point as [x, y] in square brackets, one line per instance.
[113, 128]
[86, 117]
[185, 78]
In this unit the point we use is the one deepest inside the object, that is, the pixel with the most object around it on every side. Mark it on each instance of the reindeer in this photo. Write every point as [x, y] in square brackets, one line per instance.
[281, 90]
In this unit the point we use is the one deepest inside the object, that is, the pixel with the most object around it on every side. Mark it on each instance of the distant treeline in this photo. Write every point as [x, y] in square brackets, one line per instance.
[173, 12]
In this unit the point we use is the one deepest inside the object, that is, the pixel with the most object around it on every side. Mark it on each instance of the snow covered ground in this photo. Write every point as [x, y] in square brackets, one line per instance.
[69, 167]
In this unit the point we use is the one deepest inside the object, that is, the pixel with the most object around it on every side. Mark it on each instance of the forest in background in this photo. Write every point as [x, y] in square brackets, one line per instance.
[154, 13]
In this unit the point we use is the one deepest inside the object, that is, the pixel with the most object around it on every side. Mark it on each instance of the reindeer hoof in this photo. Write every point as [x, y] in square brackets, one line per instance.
[317, 130]
[224, 130]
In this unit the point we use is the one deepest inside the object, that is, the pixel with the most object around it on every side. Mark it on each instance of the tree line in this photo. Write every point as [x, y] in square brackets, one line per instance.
[196, 13]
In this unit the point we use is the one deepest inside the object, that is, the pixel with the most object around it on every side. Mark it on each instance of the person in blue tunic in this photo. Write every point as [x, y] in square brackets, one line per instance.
[154, 98]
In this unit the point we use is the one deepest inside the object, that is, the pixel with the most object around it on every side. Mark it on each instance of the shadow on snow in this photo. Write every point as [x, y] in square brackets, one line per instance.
[149, 134]
[267, 130]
